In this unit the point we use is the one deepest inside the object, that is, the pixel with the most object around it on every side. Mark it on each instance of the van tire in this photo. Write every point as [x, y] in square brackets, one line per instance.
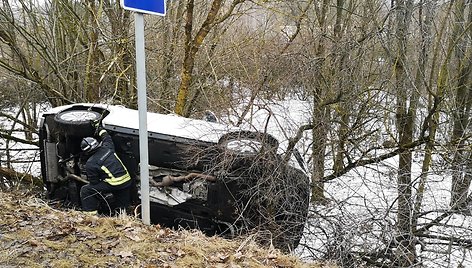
[76, 122]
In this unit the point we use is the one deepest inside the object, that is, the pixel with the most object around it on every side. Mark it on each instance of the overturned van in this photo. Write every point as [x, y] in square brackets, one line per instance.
[206, 175]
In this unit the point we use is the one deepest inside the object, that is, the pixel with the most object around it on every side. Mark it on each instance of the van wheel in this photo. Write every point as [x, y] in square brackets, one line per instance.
[248, 143]
[76, 122]
[242, 149]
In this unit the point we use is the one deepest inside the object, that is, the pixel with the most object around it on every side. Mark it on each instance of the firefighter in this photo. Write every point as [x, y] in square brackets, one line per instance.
[105, 173]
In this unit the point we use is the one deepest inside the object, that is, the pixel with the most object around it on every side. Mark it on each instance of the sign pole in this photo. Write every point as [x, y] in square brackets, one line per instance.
[154, 7]
[142, 111]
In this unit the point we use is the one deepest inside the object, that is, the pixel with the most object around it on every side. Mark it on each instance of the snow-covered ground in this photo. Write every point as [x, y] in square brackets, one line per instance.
[360, 216]
[22, 157]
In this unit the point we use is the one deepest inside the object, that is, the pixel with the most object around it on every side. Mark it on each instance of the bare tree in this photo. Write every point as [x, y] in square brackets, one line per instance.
[381, 83]
[460, 138]
[62, 53]
[173, 26]
[193, 43]
[405, 115]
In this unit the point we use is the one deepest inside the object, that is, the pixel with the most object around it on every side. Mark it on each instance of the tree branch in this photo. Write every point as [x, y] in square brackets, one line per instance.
[7, 136]
[363, 162]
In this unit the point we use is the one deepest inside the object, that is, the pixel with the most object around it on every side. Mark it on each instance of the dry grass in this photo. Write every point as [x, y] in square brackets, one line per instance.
[33, 234]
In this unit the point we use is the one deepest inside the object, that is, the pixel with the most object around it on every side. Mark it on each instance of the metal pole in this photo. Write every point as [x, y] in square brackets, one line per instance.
[142, 111]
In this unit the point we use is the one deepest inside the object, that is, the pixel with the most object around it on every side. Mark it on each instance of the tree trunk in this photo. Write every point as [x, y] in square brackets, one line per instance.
[461, 179]
[173, 23]
[425, 29]
[92, 72]
[123, 70]
[406, 254]
[342, 111]
[320, 119]
[320, 112]
[191, 48]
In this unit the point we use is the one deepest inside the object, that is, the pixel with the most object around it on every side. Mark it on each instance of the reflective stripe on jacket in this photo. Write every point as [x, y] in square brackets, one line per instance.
[112, 180]
[105, 165]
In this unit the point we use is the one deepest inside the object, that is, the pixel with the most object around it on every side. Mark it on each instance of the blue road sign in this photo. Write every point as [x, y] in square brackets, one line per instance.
[156, 7]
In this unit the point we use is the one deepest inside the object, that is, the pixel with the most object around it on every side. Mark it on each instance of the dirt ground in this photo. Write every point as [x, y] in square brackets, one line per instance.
[34, 234]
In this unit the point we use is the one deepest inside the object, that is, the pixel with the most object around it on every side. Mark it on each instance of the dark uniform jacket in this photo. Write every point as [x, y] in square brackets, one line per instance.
[104, 164]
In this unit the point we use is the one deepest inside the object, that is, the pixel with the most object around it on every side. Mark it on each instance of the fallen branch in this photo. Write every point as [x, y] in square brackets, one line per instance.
[12, 175]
